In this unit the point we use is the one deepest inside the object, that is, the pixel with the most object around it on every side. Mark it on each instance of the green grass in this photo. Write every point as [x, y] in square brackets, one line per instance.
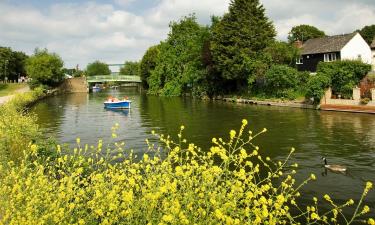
[9, 89]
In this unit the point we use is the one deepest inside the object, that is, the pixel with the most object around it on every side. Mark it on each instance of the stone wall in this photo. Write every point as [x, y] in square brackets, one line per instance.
[356, 99]
[75, 85]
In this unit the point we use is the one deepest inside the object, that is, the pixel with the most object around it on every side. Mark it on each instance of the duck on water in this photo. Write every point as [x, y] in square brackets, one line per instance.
[336, 168]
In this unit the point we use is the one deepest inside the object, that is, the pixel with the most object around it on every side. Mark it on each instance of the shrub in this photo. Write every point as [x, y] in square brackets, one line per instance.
[344, 75]
[284, 82]
[316, 87]
[175, 183]
[365, 101]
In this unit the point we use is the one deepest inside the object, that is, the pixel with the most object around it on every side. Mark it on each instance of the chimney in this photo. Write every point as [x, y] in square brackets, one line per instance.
[298, 44]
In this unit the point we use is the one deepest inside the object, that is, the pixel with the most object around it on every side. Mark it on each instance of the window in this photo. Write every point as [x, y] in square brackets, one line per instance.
[329, 57]
[299, 60]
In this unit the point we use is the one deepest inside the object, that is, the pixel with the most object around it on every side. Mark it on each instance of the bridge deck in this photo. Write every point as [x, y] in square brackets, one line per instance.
[114, 78]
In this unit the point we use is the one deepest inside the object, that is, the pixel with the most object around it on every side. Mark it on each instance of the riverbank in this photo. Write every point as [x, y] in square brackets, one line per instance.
[280, 103]
[6, 98]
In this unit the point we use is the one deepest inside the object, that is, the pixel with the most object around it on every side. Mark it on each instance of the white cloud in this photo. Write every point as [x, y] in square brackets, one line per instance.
[84, 32]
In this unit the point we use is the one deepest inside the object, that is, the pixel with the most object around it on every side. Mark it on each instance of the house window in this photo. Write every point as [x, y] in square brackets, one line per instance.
[299, 60]
[329, 57]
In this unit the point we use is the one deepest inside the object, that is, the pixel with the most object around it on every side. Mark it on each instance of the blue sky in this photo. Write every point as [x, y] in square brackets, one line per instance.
[118, 30]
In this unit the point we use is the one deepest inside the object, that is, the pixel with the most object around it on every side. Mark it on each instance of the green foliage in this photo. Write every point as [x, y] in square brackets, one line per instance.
[148, 63]
[368, 33]
[18, 130]
[45, 68]
[12, 64]
[97, 68]
[316, 87]
[239, 40]
[284, 82]
[344, 75]
[179, 66]
[304, 32]
[130, 68]
[283, 53]
[341, 76]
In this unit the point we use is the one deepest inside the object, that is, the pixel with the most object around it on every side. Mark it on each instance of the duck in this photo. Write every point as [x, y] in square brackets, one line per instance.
[335, 168]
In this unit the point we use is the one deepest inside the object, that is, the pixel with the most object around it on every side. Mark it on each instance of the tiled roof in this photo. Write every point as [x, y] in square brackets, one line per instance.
[326, 44]
[373, 44]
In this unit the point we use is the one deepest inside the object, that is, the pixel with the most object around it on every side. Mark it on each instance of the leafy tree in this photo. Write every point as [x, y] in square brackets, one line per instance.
[12, 64]
[148, 63]
[97, 68]
[130, 68]
[45, 68]
[304, 32]
[19, 65]
[179, 67]
[368, 33]
[5, 61]
[282, 53]
[239, 40]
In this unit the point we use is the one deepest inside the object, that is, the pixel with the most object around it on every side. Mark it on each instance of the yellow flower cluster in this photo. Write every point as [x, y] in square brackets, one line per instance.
[173, 183]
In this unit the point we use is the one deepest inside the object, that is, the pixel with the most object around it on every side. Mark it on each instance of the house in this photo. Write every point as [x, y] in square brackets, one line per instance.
[373, 54]
[327, 49]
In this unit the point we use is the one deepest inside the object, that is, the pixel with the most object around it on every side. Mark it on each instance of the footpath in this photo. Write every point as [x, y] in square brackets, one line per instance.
[5, 99]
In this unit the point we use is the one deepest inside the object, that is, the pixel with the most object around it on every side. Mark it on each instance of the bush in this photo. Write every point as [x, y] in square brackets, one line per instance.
[316, 87]
[285, 82]
[344, 75]
[229, 184]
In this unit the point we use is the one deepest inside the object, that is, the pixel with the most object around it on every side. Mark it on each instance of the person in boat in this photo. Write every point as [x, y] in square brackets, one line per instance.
[126, 98]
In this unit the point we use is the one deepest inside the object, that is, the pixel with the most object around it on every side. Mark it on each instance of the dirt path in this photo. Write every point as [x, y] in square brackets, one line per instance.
[4, 99]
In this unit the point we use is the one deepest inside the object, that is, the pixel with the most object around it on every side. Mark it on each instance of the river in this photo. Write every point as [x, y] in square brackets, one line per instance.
[343, 138]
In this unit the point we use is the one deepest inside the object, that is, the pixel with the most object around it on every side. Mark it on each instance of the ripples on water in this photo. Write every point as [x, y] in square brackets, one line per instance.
[344, 138]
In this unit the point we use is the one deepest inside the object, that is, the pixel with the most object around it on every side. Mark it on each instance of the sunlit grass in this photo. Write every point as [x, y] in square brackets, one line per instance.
[10, 88]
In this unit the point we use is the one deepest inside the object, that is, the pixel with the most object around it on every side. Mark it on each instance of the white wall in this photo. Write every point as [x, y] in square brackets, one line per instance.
[373, 59]
[355, 47]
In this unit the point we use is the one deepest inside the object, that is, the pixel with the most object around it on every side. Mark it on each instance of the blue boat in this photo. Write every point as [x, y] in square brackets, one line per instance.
[96, 88]
[117, 104]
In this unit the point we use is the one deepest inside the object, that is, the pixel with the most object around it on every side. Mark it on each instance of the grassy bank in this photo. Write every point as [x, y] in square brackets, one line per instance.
[17, 128]
[173, 183]
[10, 88]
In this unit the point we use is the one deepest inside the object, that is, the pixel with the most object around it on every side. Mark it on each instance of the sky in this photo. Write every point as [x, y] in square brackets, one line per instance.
[116, 31]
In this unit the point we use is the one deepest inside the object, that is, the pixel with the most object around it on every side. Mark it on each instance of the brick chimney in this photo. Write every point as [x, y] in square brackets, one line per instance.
[298, 44]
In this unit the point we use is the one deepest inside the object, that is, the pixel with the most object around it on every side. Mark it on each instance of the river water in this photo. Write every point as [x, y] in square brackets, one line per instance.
[343, 138]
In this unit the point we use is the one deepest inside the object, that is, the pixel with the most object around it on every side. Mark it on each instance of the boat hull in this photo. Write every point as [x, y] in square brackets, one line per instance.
[117, 105]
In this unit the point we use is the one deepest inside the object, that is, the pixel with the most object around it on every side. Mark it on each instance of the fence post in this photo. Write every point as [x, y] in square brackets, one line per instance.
[356, 94]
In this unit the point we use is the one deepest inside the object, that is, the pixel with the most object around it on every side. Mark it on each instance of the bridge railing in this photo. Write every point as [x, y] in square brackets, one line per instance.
[103, 78]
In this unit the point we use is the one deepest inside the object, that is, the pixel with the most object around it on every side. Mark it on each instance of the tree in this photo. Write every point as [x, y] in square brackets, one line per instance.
[130, 68]
[304, 32]
[148, 63]
[97, 68]
[283, 53]
[179, 67]
[45, 68]
[19, 65]
[239, 40]
[368, 33]
[5, 60]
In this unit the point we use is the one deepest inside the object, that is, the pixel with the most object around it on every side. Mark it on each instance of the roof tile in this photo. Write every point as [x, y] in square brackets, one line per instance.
[326, 44]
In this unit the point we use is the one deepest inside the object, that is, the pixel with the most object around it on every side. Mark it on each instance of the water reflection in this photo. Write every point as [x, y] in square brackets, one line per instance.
[344, 138]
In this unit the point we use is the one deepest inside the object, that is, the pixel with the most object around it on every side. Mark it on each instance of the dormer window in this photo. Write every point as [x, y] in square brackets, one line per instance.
[330, 57]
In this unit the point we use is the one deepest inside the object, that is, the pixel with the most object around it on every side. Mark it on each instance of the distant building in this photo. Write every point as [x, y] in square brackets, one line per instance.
[327, 49]
[373, 54]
